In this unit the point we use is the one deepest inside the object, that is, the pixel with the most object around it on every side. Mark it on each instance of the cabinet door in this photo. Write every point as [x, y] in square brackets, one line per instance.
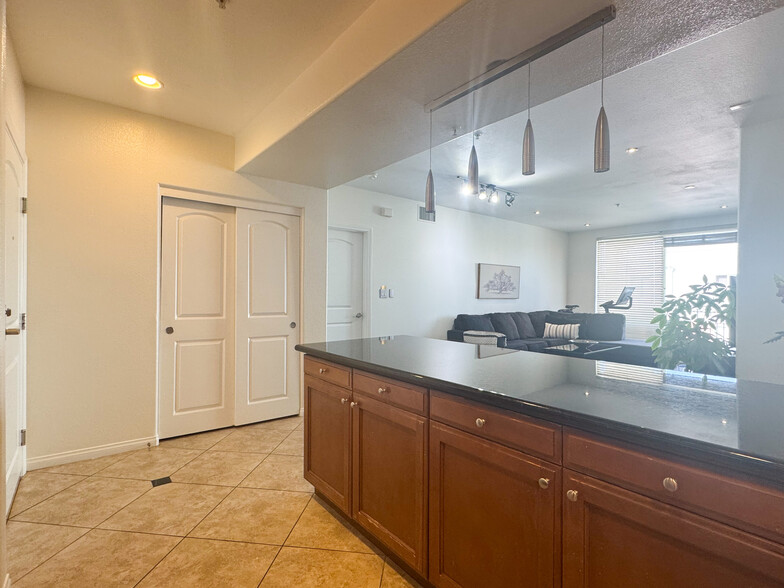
[613, 537]
[492, 522]
[327, 440]
[390, 477]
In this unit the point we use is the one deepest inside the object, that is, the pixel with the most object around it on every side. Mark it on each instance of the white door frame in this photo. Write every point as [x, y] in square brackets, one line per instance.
[168, 191]
[367, 272]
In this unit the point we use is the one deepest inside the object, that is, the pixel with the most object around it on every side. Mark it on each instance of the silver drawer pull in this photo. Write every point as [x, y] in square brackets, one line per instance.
[670, 484]
[544, 483]
[353, 404]
[382, 390]
[480, 422]
[343, 400]
[322, 370]
[571, 495]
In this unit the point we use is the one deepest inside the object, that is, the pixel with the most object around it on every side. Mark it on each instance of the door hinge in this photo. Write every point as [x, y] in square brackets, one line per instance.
[23, 437]
[24, 205]
[23, 321]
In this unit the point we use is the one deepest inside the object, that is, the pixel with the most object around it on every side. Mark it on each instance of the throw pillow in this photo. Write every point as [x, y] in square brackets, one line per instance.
[565, 331]
[524, 325]
[482, 337]
[537, 320]
[503, 323]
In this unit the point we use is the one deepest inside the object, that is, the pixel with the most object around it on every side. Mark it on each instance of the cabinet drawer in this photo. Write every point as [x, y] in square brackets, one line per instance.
[735, 501]
[529, 435]
[326, 370]
[406, 396]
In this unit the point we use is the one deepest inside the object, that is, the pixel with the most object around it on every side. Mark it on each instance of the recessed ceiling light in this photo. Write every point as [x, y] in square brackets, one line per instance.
[689, 187]
[631, 150]
[739, 106]
[146, 81]
[723, 206]
[587, 224]
[538, 212]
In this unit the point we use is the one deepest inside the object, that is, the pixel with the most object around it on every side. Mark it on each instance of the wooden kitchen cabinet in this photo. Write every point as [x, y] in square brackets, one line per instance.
[389, 472]
[614, 537]
[327, 440]
[495, 514]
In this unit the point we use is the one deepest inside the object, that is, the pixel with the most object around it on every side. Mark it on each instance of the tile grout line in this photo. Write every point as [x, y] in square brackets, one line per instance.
[51, 556]
[272, 563]
[159, 561]
[12, 517]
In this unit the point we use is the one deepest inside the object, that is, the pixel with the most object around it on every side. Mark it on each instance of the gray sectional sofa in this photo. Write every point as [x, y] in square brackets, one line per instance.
[525, 331]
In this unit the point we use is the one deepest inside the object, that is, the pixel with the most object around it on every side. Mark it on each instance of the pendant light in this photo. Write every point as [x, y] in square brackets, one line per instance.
[601, 142]
[430, 189]
[529, 155]
[473, 162]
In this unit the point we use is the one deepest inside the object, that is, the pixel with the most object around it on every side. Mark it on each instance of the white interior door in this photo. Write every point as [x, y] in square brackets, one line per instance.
[345, 285]
[268, 315]
[196, 354]
[15, 275]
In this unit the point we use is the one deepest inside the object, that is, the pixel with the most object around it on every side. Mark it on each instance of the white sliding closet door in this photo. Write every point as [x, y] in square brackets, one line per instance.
[268, 315]
[196, 354]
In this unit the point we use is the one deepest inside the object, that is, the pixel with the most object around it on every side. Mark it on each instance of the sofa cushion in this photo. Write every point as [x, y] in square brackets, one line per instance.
[503, 323]
[537, 320]
[604, 327]
[524, 325]
[519, 344]
[536, 344]
[474, 322]
[562, 331]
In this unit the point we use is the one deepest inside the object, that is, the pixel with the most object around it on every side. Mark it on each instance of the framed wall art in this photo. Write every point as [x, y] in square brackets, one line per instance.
[498, 281]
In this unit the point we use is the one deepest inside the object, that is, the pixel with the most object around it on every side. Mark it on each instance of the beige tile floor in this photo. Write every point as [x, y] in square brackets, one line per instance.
[237, 513]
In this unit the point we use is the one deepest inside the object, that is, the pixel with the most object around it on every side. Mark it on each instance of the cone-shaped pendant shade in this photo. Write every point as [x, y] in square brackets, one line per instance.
[529, 150]
[473, 172]
[430, 193]
[601, 145]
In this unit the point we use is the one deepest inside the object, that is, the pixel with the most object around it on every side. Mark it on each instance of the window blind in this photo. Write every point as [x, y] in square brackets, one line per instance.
[701, 239]
[634, 261]
[629, 373]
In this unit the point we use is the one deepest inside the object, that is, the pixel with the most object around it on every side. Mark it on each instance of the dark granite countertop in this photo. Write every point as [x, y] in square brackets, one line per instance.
[728, 424]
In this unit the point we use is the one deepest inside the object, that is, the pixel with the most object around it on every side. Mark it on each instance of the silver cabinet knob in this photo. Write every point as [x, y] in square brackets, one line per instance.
[353, 404]
[480, 423]
[322, 370]
[571, 495]
[343, 400]
[382, 390]
[359, 315]
[670, 484]
[544, 483]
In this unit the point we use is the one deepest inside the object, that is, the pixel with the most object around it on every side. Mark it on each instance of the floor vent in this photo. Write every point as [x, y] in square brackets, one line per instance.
[161, 481]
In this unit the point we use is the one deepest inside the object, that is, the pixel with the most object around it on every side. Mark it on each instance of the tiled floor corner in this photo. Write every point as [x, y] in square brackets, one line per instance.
[237, 513]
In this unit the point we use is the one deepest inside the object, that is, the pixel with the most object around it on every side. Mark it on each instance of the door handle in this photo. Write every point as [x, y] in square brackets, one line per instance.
[359, 315]
[169, 330]
[12, 331]
[292, 324]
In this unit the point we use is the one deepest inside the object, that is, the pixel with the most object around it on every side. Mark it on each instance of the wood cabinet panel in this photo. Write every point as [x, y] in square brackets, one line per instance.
[327, 440]
[328, 371]
[389, 468]
[536, 437]
[491, 523]
[740, 503]
[408, 396]
[613, 537]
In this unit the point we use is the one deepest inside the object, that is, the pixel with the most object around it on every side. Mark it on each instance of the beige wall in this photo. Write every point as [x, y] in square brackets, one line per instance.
[93, 184]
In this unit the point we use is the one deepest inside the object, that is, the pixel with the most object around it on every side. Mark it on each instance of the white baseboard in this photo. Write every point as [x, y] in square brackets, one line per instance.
[53, 459]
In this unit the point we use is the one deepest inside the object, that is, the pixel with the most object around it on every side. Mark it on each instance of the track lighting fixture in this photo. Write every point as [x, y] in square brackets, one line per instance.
[489, 192]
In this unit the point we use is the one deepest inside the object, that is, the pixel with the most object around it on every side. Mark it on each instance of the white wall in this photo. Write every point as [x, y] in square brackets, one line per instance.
[93, 183]
[582, 251]
[433, 266]
[760, 252]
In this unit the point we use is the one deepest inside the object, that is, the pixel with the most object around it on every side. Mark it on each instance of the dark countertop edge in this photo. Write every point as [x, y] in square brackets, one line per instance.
[716, 457]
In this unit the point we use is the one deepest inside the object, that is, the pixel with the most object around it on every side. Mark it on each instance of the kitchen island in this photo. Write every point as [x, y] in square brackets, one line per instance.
[476, 466]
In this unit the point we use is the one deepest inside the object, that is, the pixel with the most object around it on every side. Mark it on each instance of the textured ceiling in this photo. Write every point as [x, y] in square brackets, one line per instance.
[381, 119]
[219, 67]
[674, 108]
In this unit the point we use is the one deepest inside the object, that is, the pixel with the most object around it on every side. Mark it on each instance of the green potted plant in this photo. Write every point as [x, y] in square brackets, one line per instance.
[687, 329]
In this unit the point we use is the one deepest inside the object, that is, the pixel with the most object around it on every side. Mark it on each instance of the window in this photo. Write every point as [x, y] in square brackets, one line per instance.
[638, 262]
